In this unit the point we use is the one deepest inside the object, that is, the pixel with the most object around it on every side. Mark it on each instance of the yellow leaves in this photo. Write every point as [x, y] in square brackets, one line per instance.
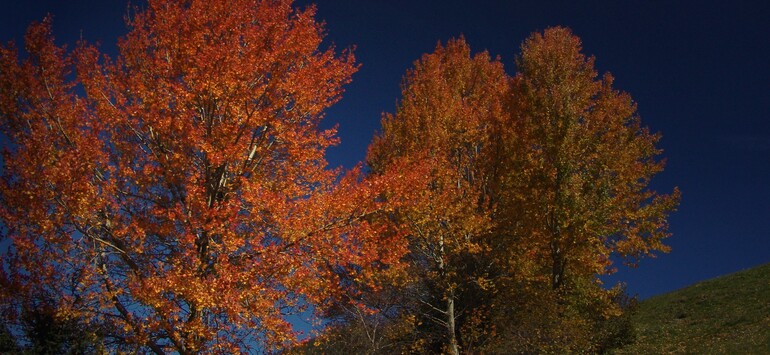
[485, 283]
[541, 178]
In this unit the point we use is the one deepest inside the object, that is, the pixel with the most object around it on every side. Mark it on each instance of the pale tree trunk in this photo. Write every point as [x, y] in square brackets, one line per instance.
[454, 348]
[450, 313]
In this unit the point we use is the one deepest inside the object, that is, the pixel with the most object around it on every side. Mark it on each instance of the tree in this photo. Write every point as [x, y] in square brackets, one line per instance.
[177, 195]
[586, 162]
[576, 192]
[449, 103]
[40, 330]
[537, 183]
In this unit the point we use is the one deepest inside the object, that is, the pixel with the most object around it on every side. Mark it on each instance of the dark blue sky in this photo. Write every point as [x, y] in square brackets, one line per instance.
[699, 70]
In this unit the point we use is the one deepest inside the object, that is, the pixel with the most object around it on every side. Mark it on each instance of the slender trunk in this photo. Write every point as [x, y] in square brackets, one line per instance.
[557, 266]
[557, 254]
[450, 304]
[450, 313]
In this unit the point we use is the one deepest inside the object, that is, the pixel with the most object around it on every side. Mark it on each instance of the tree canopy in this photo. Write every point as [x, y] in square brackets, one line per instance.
[539, 182]
[176, 197]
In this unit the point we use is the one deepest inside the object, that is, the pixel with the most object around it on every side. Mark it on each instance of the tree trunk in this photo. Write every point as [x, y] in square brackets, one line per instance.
[450, 313]
[454, 349]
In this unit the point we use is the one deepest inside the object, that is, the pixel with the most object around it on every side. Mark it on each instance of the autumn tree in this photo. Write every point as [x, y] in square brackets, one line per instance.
[537, 184]
[443, 120]
[177, 195]
[575, 194]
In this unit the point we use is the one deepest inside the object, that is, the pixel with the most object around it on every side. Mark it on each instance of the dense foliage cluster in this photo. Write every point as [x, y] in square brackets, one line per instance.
[176, 198]
[538, 181]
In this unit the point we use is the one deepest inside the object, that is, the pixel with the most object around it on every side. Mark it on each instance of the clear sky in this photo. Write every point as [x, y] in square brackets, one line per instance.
[699, 71]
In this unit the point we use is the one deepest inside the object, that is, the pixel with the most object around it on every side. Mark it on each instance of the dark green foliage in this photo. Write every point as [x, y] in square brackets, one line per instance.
[618, 331]
[41, 331]
[7, 343]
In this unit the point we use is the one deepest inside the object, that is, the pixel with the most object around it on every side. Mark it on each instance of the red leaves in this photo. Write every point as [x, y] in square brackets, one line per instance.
[177, 197]
[188, 187]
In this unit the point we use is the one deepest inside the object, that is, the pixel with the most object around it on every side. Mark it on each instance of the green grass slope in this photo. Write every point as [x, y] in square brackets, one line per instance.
[725, 315]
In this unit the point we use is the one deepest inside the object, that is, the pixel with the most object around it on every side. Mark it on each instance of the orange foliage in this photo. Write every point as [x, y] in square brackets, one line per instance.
[583, 163]
[536, 183]
[450, 102]
[177, 196]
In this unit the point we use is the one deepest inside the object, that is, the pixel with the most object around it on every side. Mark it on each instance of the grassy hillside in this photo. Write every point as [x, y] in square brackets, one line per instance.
[726, 315]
